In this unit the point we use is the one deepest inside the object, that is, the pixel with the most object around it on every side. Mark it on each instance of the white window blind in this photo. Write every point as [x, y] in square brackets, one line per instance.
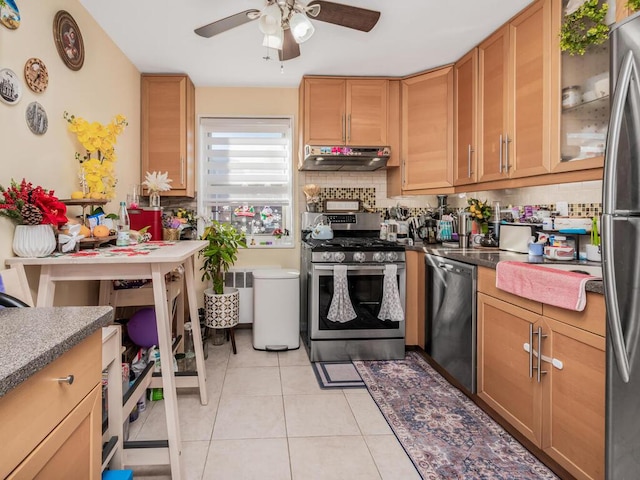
[246, 166]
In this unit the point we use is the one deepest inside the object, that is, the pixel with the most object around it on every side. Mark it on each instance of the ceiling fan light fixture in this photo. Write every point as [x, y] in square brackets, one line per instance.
[301, 28]
[270, 19]
[274, 40]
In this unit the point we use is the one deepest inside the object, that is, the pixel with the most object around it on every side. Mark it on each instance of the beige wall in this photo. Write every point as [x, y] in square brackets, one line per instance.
[106, 85]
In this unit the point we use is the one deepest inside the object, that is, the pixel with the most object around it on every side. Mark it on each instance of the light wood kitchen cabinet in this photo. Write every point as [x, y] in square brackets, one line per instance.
[52, 429]
[622, 10]
[414, 309]
[345, 111]
[466, 106]
[516, 103]
[168, 129]
[561, 410]
[427, 131]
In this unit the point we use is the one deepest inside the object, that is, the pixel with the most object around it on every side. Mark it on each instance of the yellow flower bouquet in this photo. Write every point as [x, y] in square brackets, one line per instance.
[98, 177]
[480, 211]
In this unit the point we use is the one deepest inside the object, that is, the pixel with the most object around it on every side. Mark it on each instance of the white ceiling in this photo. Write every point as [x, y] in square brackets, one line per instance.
[411, 36]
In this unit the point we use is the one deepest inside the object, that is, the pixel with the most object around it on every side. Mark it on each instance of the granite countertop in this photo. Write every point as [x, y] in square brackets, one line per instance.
[489, 257]
[32, 338]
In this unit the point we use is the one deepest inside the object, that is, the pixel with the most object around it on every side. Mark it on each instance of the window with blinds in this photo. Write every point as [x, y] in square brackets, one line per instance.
[246, 176]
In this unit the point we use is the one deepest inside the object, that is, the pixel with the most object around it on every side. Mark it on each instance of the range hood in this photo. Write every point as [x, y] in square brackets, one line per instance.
[341, 158]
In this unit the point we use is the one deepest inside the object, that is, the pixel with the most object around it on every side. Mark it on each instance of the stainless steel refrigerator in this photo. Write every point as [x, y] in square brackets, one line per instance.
[621, 254]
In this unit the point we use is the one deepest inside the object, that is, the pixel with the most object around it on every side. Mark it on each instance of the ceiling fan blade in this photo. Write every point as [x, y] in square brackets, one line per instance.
[227, 23]
[346, 15]
[290, 48]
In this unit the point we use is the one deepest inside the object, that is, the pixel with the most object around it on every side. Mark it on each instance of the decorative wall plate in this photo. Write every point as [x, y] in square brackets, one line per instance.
[68, 40]
[10, 15]
[10, 87]
[37, 118]
[36, 75]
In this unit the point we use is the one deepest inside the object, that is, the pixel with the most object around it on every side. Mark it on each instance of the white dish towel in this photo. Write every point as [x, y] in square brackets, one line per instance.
[341, 310]
[391, 308]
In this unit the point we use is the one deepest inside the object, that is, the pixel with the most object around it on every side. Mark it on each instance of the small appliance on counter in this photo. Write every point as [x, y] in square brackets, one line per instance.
[516, 237]
[147, 217]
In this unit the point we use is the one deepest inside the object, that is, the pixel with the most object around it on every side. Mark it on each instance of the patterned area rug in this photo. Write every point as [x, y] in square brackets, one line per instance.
[444, 433]
[337, 375]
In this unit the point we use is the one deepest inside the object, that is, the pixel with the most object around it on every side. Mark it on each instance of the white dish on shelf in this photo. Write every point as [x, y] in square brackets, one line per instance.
[586, 138]
[589, 96]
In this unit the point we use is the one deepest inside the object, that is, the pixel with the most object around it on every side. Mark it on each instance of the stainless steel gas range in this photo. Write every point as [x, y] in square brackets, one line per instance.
[357, 252]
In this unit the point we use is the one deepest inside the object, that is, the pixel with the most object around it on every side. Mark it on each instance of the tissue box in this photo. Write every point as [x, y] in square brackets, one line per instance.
[558, 253]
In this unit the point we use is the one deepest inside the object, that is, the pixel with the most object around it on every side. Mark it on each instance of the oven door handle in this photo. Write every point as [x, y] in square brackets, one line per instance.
[358, 267]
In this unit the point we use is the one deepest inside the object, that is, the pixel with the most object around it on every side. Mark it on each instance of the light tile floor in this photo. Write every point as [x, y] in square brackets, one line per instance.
[268, 419]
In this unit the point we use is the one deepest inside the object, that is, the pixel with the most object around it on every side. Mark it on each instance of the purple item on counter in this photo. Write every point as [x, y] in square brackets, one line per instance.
[528, 211]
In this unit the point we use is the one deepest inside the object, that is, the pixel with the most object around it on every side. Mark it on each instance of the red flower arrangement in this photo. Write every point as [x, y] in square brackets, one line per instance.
[28, 205]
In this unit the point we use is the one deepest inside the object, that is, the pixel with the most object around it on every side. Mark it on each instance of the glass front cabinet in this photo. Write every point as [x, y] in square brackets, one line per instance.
[584, 106]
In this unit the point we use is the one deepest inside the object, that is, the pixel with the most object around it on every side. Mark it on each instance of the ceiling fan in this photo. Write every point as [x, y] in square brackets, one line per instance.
[285, 23]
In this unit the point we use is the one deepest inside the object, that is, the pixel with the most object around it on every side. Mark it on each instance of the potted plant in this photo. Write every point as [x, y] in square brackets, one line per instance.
[221, 303]
[583, 26]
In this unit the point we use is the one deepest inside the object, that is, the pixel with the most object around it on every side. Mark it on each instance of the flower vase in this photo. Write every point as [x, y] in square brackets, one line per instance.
[34, 240]
[154, 199]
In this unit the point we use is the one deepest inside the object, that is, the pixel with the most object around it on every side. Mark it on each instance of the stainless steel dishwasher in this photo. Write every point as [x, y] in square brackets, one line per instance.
[450, 315]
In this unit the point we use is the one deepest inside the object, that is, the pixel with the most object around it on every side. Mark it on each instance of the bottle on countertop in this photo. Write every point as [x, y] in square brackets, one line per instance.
[124, 226]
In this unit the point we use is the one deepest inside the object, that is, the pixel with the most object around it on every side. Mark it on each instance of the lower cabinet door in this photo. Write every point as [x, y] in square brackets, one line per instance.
[505, 381]
[574, 400]
[72, 449]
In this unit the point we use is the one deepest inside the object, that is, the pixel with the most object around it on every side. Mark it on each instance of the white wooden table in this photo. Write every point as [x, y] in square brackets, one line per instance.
[150, 260]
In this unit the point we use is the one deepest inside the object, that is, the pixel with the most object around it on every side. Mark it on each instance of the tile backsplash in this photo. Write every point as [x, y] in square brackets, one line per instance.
[372, 186]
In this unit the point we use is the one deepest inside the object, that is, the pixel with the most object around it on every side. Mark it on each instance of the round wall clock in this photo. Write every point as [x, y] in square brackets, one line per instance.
[68, 40]
[36, 75]
[10, 87]
[37, 118]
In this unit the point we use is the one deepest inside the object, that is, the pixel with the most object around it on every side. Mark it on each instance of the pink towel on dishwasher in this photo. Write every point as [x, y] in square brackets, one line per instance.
[560, 288]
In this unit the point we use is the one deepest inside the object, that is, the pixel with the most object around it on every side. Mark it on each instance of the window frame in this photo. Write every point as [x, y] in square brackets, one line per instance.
[204, 208]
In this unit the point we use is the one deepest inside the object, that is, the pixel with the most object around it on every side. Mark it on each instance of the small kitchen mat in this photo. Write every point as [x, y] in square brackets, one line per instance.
[337, 375]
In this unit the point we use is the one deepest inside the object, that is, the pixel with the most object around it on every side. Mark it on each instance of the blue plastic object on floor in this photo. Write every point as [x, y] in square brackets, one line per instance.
[117, 475]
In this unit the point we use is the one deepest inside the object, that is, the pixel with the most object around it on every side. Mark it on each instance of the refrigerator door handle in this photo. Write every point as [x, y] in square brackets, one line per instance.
[627, 70]
[611, 301]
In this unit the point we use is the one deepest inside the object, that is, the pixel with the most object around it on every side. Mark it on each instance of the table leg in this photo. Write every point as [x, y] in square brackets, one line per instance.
[195, 323]
[46, 288]
[163, 323]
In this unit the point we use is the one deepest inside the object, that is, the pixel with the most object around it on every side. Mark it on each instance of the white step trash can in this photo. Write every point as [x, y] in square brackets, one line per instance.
[276, 309]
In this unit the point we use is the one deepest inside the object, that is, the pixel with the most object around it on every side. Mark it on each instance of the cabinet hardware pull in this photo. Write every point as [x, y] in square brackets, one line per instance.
[539, 368]
[349, 129]
[507, 140]
[529, 348]
[500, 165]
[343, 128]
[68, 379]
[469, 151]
[182, 171]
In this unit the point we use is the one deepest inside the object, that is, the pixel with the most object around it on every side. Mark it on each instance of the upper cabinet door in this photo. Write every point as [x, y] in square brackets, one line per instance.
[427, 130]
[493, 61]
[367, 110]
[168, 125]
[324, 111]
[466, 102]
[527, 152]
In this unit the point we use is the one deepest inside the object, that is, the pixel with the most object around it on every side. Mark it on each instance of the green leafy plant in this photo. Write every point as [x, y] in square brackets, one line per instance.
[633, 4]
[584, 27]
[221, 253]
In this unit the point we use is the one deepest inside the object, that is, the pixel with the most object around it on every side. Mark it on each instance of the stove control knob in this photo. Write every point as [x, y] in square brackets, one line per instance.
[326, 256]
[378, 257]
[338, 257]
[392, 256]
[359, 257]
